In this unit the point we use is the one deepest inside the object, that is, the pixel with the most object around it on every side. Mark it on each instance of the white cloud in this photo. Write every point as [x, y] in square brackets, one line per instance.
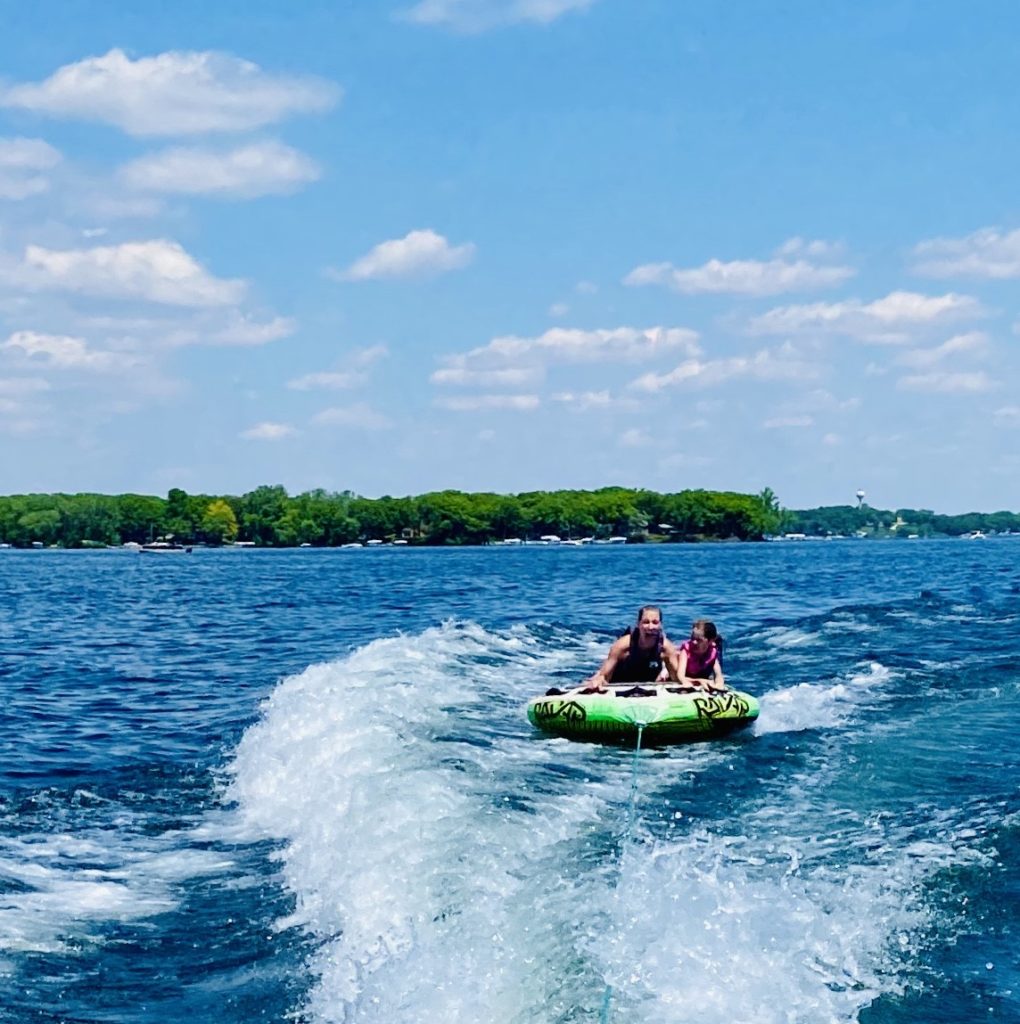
[21, 160]
[258, 169]
[786, 422]
[559, 309]
[460, 376]
[243, 331]
[23, 385]
[763, 365]
[368, 355]
[681, 460]
[339, 379]
[157, 271]
[584, 400]
[571, 345]
[972, 343]
[27, 154]
[986, 254]
[22, 186]
[1009, 415]
[477, 403]
[417, 254]
[821, 400]
[888, 320]
[327, 381]
[359, 415]
[225, 327]
[480, 15]
[634, 438]
[99, 205]
[268, 431]
[815, 248]
[948, 383]
[173, 93]
[62, 352]
[740, 277]
[17, 420]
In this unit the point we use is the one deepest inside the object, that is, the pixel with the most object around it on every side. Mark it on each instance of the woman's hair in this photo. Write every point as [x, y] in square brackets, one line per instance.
[640, 615]
[707, 629]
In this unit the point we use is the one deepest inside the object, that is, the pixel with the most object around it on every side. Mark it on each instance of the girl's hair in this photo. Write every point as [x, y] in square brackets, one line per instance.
[707, 629]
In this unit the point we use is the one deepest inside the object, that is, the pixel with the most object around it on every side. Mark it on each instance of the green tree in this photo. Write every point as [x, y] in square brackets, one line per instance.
[219, 524]
[262, 512]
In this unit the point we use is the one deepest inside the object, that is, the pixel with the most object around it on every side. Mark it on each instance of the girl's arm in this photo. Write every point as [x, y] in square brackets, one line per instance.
[681, 672]
[717, 683]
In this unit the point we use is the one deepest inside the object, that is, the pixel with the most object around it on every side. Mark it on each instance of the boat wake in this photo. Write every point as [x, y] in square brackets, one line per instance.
[447, 863]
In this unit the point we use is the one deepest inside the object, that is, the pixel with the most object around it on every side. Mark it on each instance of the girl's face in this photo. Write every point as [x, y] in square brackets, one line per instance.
[698, 640]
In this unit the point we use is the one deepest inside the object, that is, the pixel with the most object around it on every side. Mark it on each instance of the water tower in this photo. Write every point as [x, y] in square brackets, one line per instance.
[860, 498]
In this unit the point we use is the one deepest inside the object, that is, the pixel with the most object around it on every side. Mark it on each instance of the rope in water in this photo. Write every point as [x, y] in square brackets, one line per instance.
[607, 996]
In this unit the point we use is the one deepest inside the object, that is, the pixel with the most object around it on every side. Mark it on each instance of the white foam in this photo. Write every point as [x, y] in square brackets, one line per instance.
[821, 705]
[74, 885]
[450, 866]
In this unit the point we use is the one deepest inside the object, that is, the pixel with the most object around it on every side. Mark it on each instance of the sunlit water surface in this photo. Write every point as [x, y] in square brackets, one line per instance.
[300, 786]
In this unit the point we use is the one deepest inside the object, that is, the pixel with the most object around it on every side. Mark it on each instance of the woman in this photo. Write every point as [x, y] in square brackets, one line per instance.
[641, 655]
[699, 659]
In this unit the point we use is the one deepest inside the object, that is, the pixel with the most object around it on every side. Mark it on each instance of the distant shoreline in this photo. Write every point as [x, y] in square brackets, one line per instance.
[269, 517]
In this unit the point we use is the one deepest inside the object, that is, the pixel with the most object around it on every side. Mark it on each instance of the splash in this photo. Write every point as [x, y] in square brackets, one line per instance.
[448, 864]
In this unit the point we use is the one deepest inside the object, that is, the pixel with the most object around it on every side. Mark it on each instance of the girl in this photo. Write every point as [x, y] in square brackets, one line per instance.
[699, 659]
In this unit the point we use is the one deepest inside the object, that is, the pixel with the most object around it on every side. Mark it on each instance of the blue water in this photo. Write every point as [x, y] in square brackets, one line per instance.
[300, 786]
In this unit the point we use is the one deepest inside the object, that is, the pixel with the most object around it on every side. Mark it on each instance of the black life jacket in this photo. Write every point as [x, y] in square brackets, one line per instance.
[638, 665]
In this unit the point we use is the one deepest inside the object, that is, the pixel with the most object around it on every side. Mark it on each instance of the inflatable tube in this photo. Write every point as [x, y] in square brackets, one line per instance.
[667, 713]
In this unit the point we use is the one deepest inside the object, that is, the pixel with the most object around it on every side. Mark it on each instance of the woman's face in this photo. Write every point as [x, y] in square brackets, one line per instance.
[650, 624]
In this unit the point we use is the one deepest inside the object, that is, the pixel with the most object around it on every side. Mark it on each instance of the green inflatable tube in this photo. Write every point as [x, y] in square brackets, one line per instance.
[667, 714]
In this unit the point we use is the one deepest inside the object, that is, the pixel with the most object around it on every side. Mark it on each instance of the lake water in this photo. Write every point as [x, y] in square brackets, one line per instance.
[252, 785]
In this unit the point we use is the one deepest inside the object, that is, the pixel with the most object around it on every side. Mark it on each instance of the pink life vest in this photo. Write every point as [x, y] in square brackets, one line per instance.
[700, 665]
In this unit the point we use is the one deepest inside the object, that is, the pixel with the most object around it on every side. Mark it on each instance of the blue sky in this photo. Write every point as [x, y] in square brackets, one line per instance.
[511, 245]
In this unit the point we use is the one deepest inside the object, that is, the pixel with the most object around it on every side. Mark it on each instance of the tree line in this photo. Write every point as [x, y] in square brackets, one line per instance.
[269, 517]
[852, 520]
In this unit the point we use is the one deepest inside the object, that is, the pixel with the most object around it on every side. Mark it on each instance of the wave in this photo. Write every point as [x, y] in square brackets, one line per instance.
[448, 864]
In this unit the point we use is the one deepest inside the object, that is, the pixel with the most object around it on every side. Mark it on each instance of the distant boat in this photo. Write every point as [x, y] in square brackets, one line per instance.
[352, 544]
[164, 547]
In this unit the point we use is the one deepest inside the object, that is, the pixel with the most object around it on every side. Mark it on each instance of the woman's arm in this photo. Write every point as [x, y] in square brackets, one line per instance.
[670, 657]
[681, 666]
[600, 678]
